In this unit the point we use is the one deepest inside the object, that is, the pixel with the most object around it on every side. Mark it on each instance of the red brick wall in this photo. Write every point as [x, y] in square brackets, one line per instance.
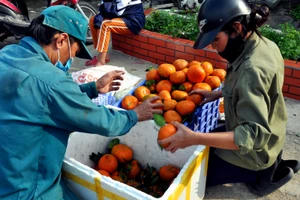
[158, 49]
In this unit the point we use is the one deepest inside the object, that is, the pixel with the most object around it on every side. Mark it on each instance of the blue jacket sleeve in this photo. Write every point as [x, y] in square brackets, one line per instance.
[90, 89]
[68, 108]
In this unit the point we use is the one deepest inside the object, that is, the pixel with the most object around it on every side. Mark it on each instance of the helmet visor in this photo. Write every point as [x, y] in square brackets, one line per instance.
[206, 38]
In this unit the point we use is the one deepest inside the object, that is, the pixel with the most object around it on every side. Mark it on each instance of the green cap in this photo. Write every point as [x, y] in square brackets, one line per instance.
[67, 20]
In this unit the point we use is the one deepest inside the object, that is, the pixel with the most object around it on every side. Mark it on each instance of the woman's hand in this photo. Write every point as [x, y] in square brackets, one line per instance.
[184, 137]
[208, 95]
[109, 81]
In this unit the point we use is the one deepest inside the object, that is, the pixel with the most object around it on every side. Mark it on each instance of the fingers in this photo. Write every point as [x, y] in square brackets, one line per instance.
[197, 91]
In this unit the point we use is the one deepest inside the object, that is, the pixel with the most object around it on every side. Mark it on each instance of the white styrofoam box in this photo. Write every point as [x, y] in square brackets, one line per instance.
[89, 184]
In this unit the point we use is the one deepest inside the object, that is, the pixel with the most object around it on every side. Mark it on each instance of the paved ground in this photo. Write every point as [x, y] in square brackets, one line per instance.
[290, 191]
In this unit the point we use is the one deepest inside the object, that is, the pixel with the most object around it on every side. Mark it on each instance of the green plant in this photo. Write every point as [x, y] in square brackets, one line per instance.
[295, 12]
[177, 25]
[287, 38]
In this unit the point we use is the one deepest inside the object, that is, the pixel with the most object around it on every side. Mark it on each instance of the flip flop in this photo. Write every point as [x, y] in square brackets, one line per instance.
[263, 188]
[94, 61]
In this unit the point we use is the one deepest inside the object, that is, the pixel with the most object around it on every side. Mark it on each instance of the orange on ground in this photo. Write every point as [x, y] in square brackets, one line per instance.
[165, 95]
[129, 102]
[180, 64]
[194, 62]
[166, 131]
[171, 116]
[169, 104]
[185, 107]
[196, 98]
[207, 66]
[202, 86]
[221, 73]
[168, 172]
[153, 74]
[178, 77]
[213, 81]
[179, 95]
[122, 152]
[164, 85]
[165, 70]
[196, 74]
[103, 172]
[186, 86]
[108, 162]
[134, 169]
[140, 92]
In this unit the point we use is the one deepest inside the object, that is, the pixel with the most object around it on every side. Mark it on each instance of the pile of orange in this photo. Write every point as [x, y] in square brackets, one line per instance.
[118, 163]
[173, 83]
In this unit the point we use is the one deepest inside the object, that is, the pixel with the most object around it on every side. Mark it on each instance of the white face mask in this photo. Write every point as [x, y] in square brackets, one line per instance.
[67, 66]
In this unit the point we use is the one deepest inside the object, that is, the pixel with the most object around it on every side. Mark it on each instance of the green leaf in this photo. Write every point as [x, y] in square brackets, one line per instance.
[159, 119]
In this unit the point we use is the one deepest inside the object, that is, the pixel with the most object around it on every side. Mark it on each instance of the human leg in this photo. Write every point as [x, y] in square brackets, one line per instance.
[116, 25]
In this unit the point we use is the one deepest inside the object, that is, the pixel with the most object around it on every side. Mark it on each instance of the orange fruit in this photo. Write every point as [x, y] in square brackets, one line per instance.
[213, 81]
[119, 176]
[108, 162]
[194, 62]
[122, 152]
[165, 70]
[202, 86]
[132, 169]
[164, 85]
[171, 116]
[185, 107]
[196, 74]
[169, 104]
[168, 172]
[186, 86]
[178, 77]
[221, 73]
[165, 95]
[148, 96]
[207, 66]
[129, 102]
[180, 64]
[166, 131]
[103, 172]
[196, 98]
[153, 74]
[185, 70]
[179, 95]
[140, 92]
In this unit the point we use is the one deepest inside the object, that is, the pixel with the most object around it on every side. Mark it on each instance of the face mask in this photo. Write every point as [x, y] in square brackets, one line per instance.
[233, 49]
[67, 66]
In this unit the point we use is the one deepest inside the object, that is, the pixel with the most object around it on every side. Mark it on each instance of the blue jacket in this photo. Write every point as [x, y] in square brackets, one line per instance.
[40, 106]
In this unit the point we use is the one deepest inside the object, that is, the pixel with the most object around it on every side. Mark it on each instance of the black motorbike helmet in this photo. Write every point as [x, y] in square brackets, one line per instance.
[214, 14]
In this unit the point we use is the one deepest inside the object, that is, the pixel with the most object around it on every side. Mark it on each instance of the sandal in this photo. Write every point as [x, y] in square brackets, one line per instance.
[94, 61]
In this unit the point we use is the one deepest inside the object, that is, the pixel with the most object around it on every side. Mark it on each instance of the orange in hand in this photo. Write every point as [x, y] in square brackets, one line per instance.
[166, 131]
[213, 81]
[140, 92]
